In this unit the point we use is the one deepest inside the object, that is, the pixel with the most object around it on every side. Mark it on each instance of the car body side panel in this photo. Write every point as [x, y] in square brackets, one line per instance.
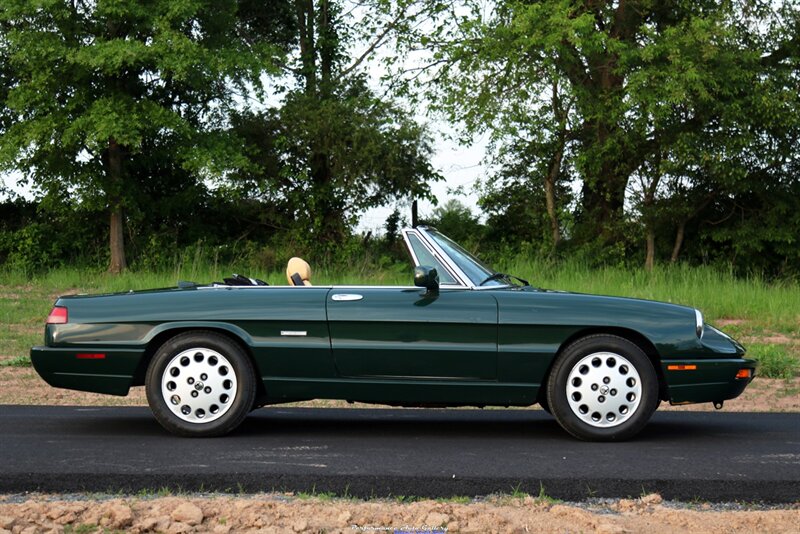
[406, 392]
[284, 327]
[669, 327]
[405, 333]
[535, 324]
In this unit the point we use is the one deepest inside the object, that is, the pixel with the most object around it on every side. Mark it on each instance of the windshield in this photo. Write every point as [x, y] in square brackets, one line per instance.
[472, 266]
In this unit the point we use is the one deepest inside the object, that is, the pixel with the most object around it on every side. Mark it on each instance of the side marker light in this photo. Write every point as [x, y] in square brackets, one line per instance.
[91, 356]
[690, 367]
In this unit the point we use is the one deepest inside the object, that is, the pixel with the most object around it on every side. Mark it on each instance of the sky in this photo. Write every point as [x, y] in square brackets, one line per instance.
[460, 166]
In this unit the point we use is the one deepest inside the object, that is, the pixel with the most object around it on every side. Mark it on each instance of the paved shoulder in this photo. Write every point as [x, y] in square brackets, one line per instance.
[714, 456]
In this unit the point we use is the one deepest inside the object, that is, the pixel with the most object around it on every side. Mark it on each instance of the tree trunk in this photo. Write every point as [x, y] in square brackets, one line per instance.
[326, 204]
[116, 223]
[649, 216]
[650, 257]
[116, 241]
[305, 27]
[602, 84]
[676, 250]
[550, 194]
[555, 165]
[327, 48]
[603, 192]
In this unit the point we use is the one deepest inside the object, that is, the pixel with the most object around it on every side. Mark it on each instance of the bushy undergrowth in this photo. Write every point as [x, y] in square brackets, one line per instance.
[774, 361]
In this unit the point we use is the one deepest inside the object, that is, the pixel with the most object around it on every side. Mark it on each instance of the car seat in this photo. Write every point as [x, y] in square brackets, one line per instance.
[298, 272]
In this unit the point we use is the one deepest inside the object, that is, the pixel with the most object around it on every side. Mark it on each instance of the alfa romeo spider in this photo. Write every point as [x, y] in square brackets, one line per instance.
[461, 335]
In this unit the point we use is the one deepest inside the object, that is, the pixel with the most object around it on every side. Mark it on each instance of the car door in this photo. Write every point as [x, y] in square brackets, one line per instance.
[406, 333]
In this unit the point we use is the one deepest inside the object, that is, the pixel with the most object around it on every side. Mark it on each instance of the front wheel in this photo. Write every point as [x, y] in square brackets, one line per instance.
[603, 388]
[200, 384]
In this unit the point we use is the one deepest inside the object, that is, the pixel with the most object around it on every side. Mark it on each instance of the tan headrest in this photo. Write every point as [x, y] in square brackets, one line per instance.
[301, 268]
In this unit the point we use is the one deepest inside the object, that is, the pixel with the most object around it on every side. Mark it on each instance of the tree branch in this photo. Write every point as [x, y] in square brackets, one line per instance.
[371, 48]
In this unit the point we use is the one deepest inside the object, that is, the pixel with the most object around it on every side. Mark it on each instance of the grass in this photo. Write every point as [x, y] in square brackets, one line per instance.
[163, 491]
[761, 308]
[17, 361]
[314, 494]
[518, 494]
[544, 497]
[455, 499]
[775, 361]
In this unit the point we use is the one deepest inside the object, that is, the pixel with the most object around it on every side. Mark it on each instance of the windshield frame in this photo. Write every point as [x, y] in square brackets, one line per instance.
[436, 242]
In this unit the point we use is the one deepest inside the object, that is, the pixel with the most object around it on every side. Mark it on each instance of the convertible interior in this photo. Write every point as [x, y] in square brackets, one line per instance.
[298, 273]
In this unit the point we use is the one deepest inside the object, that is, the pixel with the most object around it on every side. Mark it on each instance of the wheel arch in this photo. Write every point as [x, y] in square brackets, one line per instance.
[168, 332]
[637, 338]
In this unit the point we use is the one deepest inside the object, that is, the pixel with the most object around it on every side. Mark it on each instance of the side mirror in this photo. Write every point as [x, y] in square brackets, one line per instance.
[426, 277]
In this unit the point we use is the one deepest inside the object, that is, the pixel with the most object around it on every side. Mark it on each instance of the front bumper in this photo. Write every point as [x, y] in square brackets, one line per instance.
[706, 380]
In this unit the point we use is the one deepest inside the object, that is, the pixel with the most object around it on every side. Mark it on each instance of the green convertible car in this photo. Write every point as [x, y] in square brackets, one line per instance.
[462, 335]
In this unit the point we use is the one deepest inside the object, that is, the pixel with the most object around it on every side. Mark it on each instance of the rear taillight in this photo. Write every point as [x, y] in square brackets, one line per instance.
[58, 315]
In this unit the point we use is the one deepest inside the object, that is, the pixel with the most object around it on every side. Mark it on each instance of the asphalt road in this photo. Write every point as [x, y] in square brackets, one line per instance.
[713, 456]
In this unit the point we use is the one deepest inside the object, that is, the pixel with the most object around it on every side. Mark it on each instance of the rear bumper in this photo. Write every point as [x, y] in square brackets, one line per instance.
[63, 368]
[703, 380]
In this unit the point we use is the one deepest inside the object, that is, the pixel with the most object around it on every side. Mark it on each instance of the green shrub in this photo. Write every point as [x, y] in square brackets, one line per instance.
[774, 361]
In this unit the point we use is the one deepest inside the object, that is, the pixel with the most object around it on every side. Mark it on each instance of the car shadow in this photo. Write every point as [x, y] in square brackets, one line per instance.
[439, 423]
[395, 422]
[372, 423]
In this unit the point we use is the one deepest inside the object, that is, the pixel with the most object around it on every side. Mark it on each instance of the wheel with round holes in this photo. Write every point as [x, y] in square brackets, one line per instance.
[603, 388]
[200, 384]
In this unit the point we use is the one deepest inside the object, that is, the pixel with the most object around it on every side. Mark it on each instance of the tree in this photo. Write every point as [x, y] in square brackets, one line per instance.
[529, 181]
[457, 221]
[334, 147]
[91, 84]
[732, 170]
[638, 76]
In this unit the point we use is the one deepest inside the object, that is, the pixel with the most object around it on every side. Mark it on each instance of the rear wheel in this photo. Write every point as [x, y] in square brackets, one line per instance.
[603, 388]
[543, 403]
[200, 384]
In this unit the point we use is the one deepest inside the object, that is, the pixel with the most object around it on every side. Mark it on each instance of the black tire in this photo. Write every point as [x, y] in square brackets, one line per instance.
[603, 388]
[212, 403]
[543, 404]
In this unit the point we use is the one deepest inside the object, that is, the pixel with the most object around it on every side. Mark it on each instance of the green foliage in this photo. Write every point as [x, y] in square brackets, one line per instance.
[669, 120]
[609, 126]
[775, 361]
[96, 88]
[372, 152]
[18, 361]
[34, 237]
[334, 147]
[455, 220]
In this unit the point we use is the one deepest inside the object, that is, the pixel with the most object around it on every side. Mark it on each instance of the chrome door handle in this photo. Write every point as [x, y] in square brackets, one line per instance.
[346, 297]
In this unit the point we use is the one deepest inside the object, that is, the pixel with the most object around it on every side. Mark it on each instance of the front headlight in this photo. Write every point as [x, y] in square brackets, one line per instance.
[698, 323]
